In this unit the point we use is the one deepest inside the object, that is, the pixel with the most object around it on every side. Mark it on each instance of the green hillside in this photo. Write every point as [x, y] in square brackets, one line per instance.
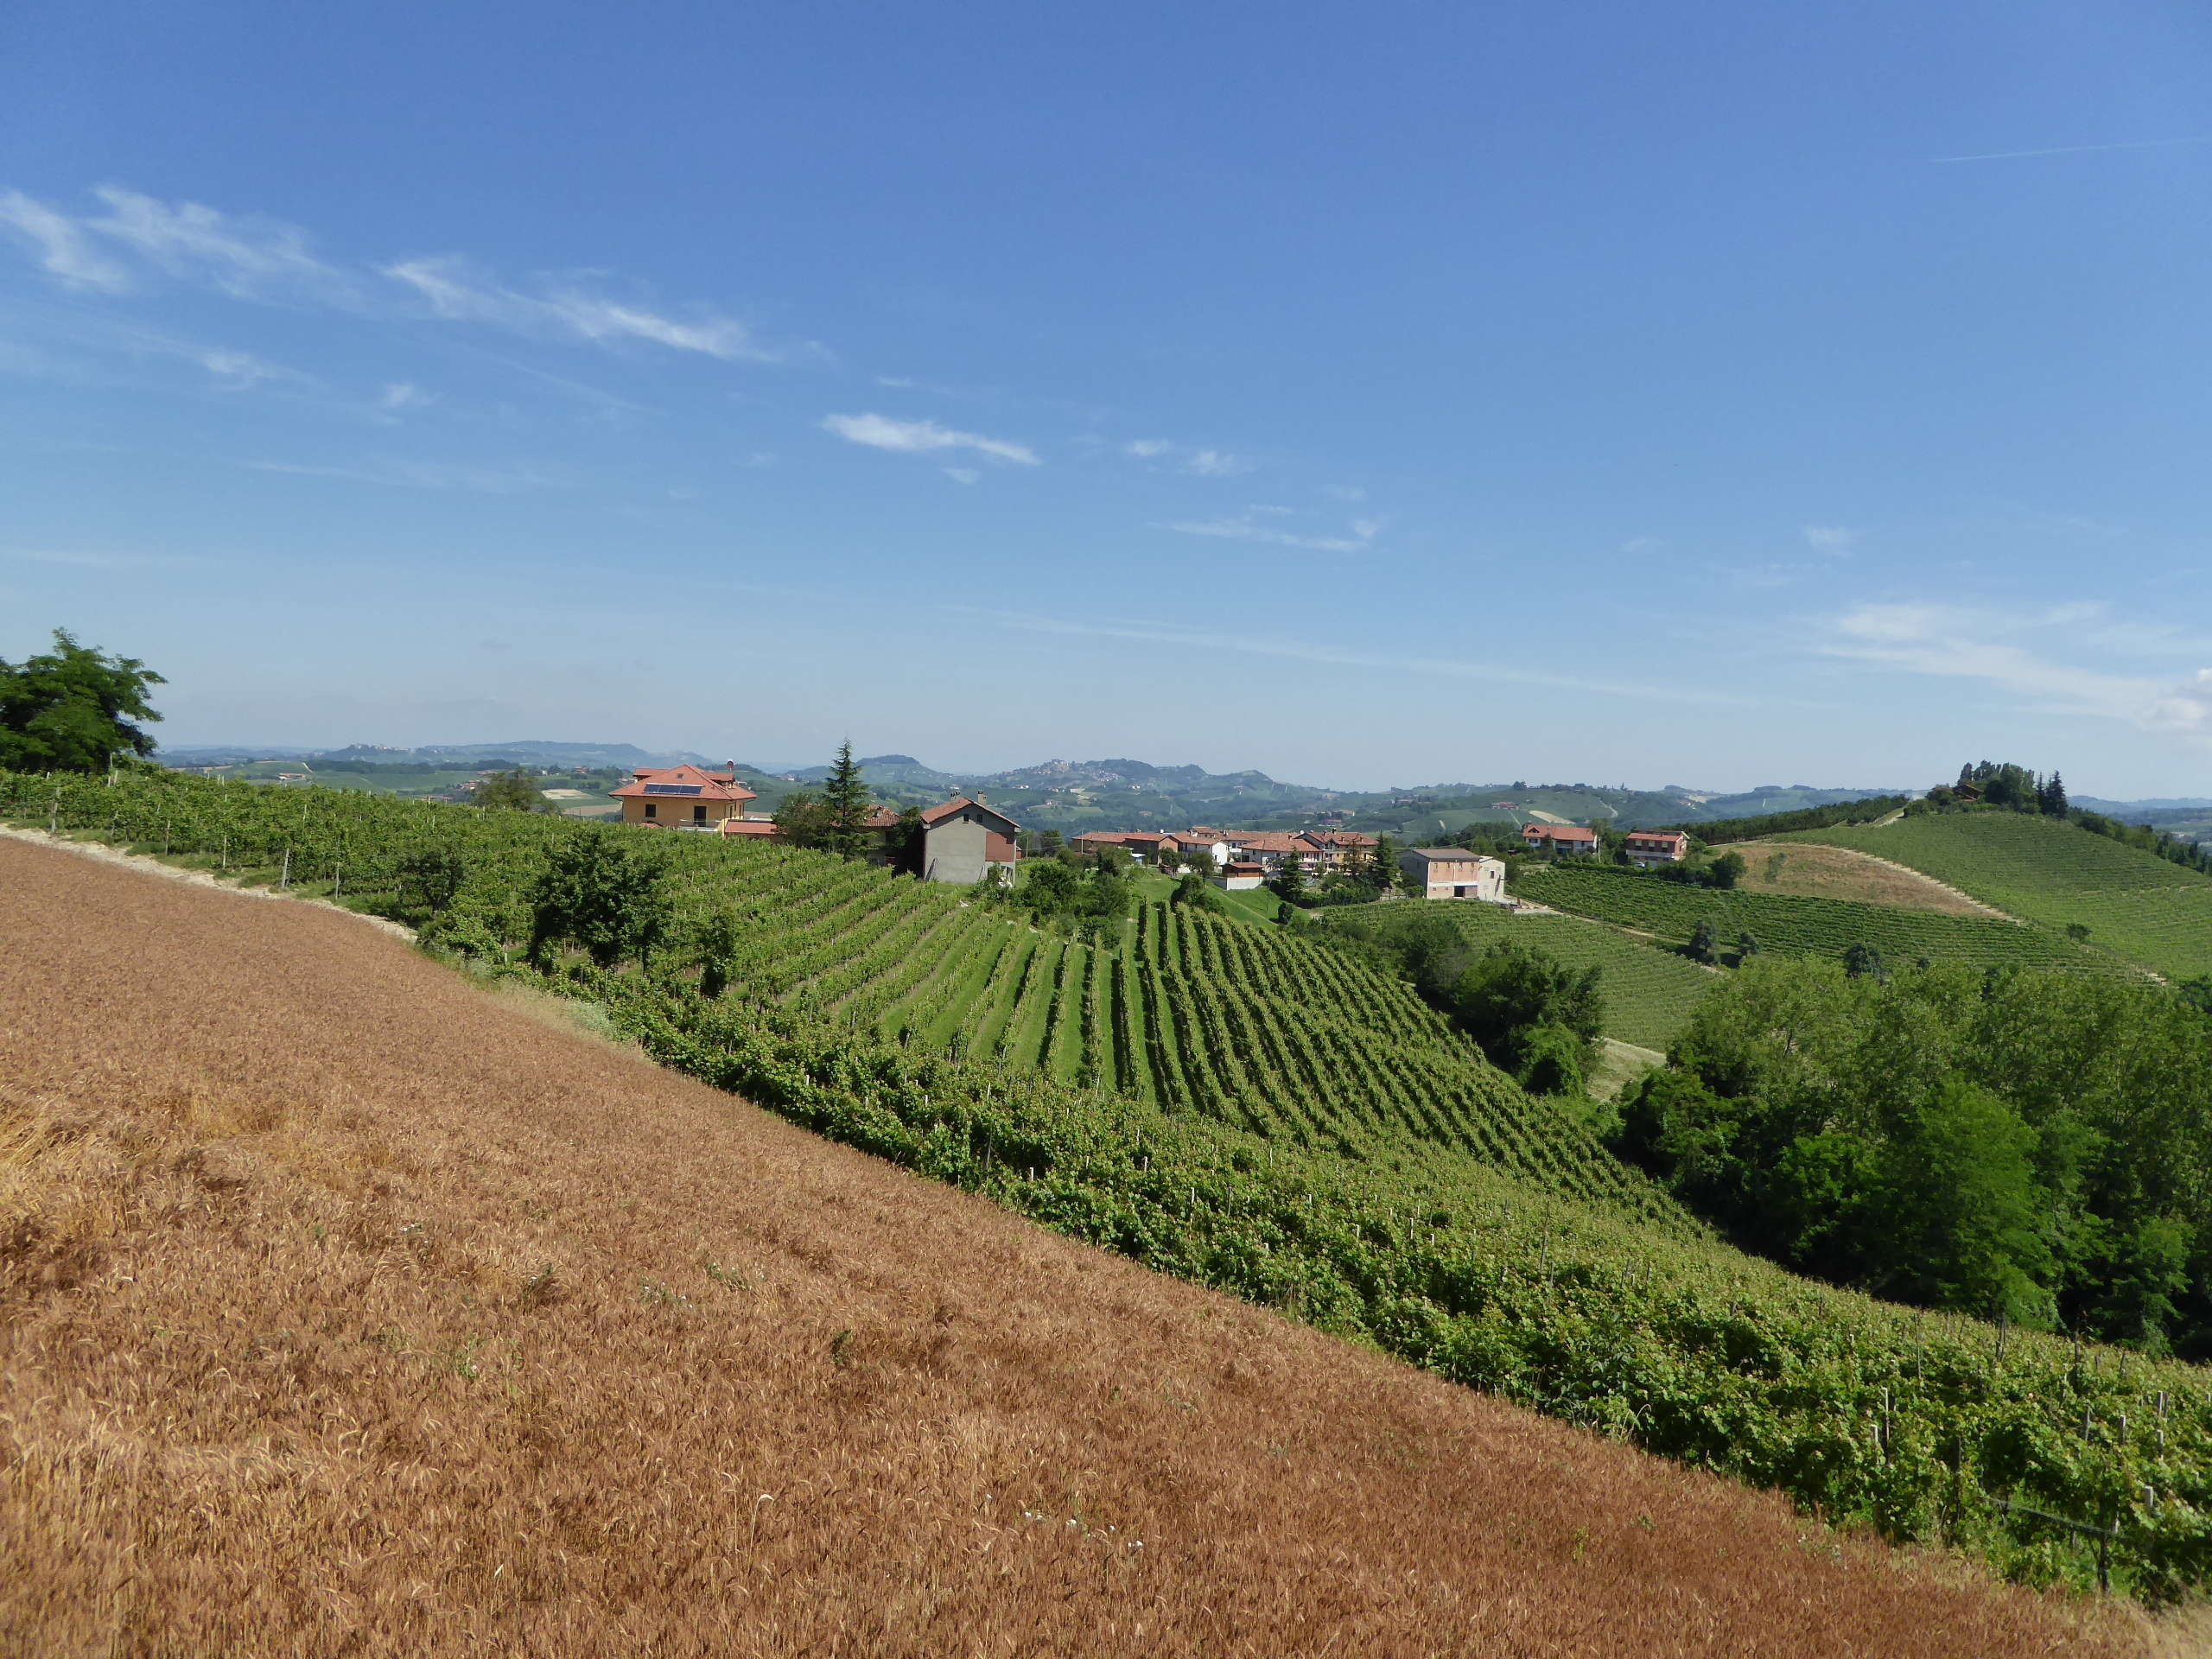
[1650, 992]
[1788, 925]
[1188, 1013]
[2136, 905]
[1256, 1113]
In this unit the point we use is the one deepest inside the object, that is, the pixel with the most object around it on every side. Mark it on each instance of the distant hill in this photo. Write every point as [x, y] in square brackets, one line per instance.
[465, 757]
[1122, 793]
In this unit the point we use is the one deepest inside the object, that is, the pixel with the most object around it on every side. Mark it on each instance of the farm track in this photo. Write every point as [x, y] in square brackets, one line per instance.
[349, 1309]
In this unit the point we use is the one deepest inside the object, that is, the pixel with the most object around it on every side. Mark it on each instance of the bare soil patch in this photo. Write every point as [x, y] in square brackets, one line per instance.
[345, 1309]
[1809, 871]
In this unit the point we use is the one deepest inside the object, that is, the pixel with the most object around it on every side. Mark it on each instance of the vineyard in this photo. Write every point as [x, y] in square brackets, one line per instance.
[1650, 992]
[1921, 1426]
[1789, 926]
[2136, 905]
[1260, 1114]
[1191, 1013]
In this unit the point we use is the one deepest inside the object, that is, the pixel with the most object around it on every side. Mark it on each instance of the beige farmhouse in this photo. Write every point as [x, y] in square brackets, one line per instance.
[1453, 873]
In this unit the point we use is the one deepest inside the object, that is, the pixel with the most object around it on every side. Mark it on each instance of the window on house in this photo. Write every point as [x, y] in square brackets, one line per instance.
[652, 810]
[698, 814]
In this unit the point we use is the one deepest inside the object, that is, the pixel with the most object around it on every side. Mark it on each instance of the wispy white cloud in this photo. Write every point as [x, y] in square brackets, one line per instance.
[962, 474]
[65, 251]
[251, 258]
[243, 369]
[456, 294]
[2072, 150]
[425, 475]
[404, 394]
[923, 438]
[1643, 544]
[255, 258]
[1212, 463]
[2000, 649]
[1168, 633]
[1831, 538]
[1198, 463]
[1245, 527]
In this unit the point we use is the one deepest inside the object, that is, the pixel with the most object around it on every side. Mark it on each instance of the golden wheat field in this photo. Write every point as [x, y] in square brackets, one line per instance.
[348, 1309]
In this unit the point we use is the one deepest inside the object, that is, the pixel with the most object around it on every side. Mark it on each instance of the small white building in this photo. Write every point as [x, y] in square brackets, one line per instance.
[1241, 878]
[1454, 873]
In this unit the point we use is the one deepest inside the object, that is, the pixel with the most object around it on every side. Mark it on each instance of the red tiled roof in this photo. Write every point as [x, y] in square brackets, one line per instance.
[1566, 832]
[1272, 840]
[759, 829]
[937, 815]
[880, 817]
[683, 782]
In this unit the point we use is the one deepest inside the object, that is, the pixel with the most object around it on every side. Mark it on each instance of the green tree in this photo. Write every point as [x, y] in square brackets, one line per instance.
[718, 946]
[846, 797]
[510, 792]
[429, 879]
[604, 890]
[1551, 1060]
[1512, 990]
[72, 709]
[1862, 960]
[1961, 1209]
[1288, 882]
[804, 820]
[1198, 893]
[907, 842]
[1383, 864]
[1704, 941]
[1725, 871]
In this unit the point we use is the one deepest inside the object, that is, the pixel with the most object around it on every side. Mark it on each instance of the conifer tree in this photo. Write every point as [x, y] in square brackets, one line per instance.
[846, 795]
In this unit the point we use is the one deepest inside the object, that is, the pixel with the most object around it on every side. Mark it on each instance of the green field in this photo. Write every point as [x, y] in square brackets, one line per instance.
[1259, 1112]
[1650, 992]
[2137, 906]
[1788, 925]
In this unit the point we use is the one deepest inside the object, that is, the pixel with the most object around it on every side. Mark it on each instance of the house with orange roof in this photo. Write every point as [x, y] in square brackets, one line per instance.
[1271, 850]
[1649, 847]
[965, 842]
[683, 797]
[1338, 848]
[1560, 838]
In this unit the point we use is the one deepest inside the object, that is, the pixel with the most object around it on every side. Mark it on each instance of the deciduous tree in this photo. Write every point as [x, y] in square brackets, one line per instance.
[73, 708]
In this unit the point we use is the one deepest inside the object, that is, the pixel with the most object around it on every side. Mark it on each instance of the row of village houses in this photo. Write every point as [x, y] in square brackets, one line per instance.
[966, 841]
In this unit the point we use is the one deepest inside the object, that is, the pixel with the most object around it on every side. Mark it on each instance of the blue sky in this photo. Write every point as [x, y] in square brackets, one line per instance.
[1720, 395]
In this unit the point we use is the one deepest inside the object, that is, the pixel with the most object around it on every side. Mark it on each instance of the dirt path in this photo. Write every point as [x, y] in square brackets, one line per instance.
[106, 855]
[347, 1309]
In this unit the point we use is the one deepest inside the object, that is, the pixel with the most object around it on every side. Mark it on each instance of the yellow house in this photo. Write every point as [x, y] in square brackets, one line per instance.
[682, 797]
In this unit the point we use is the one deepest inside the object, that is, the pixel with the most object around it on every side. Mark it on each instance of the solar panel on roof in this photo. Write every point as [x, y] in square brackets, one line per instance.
[672, 789]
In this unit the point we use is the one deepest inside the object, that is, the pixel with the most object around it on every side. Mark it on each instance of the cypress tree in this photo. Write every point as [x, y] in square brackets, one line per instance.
[846, 797]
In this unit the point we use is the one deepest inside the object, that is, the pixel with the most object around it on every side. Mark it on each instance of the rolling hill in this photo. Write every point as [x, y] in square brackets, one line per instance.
[2137, 907]
[1792, 925]
[1306, 1143]
[350, 1309]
